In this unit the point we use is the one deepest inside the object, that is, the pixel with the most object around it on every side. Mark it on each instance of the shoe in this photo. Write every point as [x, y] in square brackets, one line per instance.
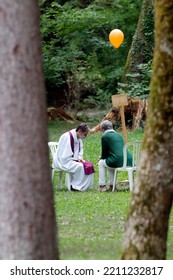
[110, 188]
[102, 189]
[73, 190]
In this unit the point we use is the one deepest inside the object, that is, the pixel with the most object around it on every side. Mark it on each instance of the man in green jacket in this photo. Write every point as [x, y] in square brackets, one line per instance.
[112, 144]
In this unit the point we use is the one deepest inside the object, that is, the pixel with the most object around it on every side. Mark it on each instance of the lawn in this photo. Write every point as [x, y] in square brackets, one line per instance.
[91, 224]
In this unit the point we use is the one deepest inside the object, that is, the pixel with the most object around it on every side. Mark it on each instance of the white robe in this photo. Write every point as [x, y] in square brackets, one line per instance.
[65, 160]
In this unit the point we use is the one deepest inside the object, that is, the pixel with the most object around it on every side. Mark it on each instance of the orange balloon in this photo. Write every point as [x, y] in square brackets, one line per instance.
[116, 37]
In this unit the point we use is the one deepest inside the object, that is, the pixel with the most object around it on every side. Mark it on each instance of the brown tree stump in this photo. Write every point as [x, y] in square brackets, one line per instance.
[134, 112]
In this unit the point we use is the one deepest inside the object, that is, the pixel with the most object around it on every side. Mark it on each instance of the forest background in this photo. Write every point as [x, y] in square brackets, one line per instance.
[81, 68]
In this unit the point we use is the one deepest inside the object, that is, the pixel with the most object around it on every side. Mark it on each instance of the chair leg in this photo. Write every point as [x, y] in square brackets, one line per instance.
[68, 180]
[60, 179]
[130, 174]
[114, 181]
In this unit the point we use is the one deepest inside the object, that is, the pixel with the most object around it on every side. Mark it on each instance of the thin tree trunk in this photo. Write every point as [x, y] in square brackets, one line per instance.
[27, 219]
[147, 225]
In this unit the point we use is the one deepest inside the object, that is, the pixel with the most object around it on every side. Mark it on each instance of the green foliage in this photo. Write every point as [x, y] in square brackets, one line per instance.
[137, 84]
[77, 54]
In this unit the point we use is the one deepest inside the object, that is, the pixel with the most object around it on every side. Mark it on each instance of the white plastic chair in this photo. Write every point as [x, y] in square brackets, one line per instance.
[134, 148]
[53, 148]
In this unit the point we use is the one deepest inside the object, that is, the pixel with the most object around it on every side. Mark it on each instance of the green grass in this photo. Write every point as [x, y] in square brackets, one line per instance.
[91, 224]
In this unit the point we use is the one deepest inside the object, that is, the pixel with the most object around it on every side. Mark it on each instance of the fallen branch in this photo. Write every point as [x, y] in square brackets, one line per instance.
[54, 113]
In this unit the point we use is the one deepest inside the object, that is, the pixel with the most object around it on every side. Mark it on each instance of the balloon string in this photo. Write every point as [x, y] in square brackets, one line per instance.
[116, 55]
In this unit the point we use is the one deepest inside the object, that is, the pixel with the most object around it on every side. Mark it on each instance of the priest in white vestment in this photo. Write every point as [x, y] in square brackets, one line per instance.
[69, 157]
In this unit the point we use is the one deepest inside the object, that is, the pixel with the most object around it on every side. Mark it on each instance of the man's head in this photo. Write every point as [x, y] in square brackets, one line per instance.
[105, 125]
[82, 130]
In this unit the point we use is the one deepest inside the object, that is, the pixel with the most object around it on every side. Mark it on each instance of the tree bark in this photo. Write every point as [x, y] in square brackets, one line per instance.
[148, 221]
[141, 50]
[27, 218]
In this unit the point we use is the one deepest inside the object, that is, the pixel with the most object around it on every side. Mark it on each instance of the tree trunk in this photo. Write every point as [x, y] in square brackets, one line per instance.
[141, 50]
[27, 219]
[147, 225]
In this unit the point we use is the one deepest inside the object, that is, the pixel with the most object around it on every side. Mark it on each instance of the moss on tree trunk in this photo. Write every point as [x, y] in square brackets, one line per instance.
[141, 50]
[147, 224]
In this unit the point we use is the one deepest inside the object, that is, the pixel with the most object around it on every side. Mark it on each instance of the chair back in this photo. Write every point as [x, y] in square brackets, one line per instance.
[134, 148]
[53, 148]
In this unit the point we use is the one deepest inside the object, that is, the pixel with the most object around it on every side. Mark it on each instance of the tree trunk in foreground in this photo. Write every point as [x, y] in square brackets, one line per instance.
[27, 219]
[148, 221]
